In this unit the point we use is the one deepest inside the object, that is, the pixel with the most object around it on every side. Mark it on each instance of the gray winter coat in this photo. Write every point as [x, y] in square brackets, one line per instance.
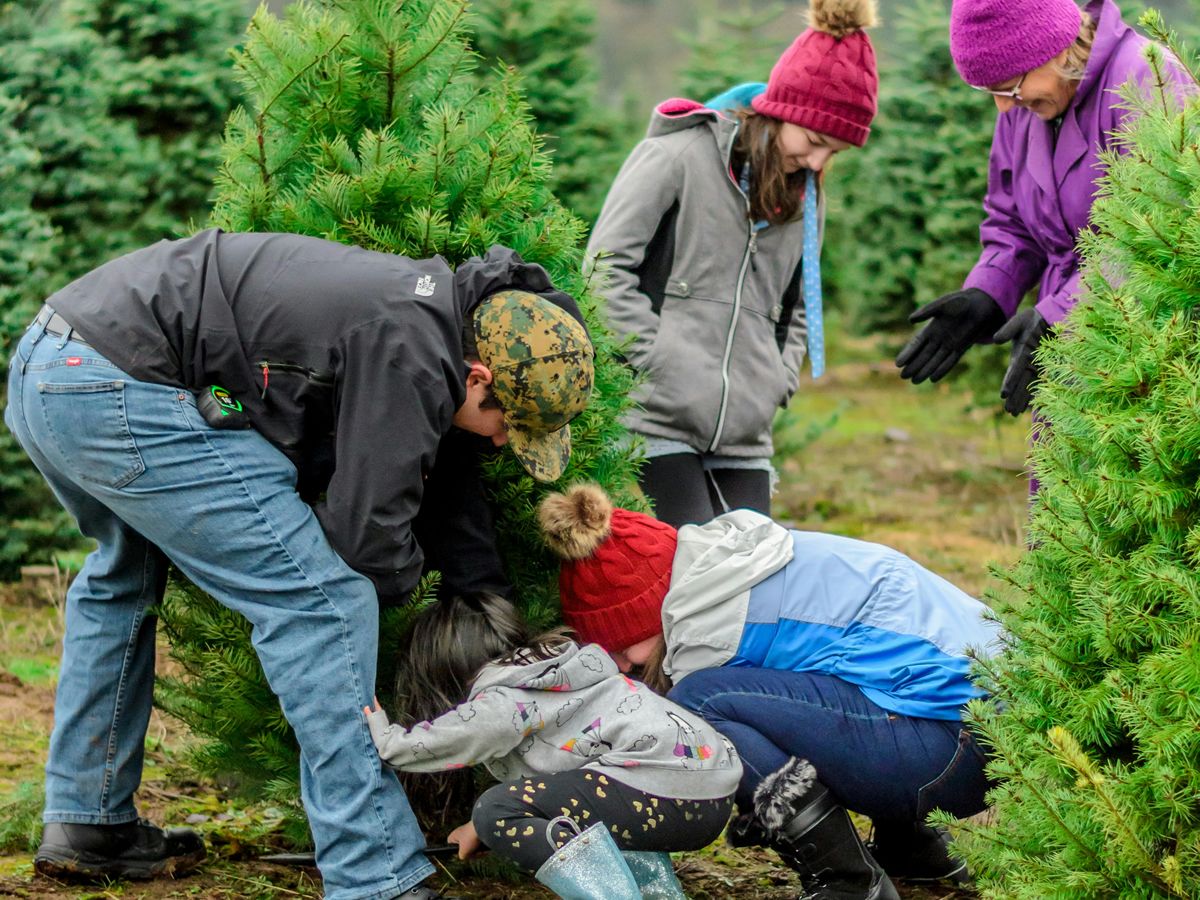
[710, 304]
[574, 711]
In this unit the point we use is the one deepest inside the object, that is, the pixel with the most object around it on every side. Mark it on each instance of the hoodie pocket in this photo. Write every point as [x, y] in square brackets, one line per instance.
[758, 382]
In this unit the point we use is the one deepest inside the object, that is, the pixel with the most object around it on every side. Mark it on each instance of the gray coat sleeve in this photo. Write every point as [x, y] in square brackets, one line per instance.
[645, 188]
[481, 729]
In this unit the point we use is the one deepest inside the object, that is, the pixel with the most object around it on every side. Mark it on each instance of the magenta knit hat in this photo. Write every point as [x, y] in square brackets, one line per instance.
[827, 80]
[994, 41]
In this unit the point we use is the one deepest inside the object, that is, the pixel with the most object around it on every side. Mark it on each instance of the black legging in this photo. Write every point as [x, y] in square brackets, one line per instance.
[512, 818]
[684, 493]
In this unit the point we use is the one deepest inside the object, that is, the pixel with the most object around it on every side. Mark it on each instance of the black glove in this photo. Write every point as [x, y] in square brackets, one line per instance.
[959, 320]
[1026, 330]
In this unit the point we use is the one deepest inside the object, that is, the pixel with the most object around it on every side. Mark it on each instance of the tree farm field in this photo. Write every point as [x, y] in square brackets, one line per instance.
[866, 455]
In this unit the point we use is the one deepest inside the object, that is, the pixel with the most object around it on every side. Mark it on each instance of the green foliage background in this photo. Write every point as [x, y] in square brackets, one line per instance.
[110, 117]
[549, 43]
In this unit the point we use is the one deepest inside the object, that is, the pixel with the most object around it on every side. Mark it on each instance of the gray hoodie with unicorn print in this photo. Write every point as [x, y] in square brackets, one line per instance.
[570, 712]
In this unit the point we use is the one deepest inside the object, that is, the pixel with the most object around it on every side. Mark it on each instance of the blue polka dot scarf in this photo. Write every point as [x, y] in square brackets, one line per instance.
[812, 278]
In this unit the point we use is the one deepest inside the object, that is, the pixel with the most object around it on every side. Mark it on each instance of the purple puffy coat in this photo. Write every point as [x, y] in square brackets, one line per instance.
[1040, 190]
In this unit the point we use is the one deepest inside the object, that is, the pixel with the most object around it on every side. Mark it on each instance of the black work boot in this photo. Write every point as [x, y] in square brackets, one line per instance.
[911, 851]
[815, 837]
[133, 850]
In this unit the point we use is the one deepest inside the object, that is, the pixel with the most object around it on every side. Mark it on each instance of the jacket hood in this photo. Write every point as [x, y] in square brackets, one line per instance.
[502, 269]
[1110, 30]
[678, 114]
[572, 669]
[715, 566]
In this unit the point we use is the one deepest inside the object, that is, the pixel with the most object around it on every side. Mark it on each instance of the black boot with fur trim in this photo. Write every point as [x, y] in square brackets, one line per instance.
[815, 837]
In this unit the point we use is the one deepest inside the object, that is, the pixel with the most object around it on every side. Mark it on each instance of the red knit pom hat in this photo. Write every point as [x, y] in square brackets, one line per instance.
[827, 80]
[616, 566]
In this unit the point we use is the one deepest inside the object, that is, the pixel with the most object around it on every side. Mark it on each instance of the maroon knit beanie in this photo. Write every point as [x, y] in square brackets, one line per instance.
[827, 80]
[616, 566]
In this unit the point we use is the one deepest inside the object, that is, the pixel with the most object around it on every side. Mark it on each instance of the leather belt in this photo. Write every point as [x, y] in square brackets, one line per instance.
[56, 325]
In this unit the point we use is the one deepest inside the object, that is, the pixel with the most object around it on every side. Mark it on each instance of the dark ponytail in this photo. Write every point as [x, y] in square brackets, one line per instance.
[449, 642]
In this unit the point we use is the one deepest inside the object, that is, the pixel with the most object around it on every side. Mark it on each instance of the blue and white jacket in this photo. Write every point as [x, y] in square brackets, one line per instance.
[745, 591]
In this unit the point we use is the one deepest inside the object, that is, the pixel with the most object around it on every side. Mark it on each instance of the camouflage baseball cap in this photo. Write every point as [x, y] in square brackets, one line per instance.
[541, 362]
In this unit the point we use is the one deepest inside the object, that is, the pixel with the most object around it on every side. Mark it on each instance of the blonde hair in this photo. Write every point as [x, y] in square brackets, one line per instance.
[1073, 67]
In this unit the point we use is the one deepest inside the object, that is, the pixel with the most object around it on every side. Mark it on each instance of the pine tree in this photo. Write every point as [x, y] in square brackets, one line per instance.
[34, 525]
[172, 80]
[124, 101]
[1094, 720]
[88, 178]
[366, 123]
[118, 105]
[549, 41]
[732, 46]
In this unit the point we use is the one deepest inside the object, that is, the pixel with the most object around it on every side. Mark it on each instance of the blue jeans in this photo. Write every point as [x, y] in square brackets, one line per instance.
[149, 480]
[890, 767]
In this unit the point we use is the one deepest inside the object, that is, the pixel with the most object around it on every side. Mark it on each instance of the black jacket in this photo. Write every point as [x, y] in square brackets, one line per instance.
[348, 360]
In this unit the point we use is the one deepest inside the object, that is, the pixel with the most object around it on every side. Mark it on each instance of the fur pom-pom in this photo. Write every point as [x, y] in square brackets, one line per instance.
[781, 794]
[841, 17]
[574, 524]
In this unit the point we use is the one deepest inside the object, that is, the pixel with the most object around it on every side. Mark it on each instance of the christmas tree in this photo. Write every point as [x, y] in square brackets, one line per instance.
[366, 122]
[732, 46]
[171, 79]
[111, 116]
[29, 250]
[549, 43]
[1094, 716]
[124, 101]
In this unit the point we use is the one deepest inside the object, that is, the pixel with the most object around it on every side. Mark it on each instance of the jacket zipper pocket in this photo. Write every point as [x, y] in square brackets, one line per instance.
[321, 378]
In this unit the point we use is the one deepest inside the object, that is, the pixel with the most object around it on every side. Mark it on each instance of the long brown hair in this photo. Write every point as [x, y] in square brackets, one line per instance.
[449, 642]
[651, 673]
[775, 195]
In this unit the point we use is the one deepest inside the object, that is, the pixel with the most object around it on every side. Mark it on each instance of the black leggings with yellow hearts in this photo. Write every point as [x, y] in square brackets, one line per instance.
[516, 818]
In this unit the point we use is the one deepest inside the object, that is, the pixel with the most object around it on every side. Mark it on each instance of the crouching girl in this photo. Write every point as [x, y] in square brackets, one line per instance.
[598, 774]
[837, 667]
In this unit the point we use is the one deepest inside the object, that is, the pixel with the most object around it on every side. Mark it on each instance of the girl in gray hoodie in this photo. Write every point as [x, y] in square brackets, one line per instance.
[588, 759]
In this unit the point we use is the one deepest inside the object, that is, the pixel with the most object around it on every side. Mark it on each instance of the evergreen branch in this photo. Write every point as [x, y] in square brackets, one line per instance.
[1071, 753]
[1160, 81]
[1148, 162]
[450, 29]
[390, 103]
[465, 51]
[261, 119]
[1155, 26]
[1044, 801]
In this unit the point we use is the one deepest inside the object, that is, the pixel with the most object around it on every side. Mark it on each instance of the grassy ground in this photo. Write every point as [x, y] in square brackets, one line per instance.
[914, 468]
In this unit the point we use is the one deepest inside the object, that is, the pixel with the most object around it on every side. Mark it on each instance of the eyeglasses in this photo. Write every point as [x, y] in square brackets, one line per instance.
[1013, 92]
